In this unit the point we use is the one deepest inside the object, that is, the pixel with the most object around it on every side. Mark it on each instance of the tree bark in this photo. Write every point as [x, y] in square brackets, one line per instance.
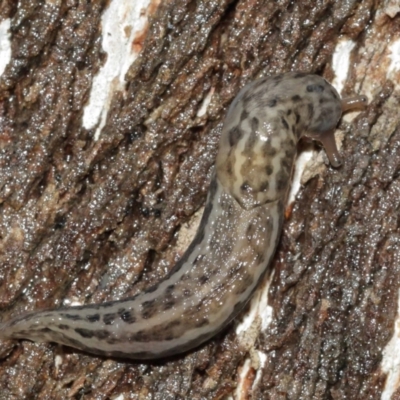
[92, 214]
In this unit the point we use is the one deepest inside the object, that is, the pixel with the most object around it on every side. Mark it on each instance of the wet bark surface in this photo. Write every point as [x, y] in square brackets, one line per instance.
[85, 220]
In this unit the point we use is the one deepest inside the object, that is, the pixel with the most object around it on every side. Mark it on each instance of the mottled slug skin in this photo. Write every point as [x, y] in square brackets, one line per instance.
[234, 244]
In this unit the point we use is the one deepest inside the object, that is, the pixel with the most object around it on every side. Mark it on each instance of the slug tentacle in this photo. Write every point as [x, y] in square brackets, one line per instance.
[327, 137]
[236, 239]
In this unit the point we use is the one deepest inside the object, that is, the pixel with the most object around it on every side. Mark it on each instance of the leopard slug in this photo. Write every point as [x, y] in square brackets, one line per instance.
[235, 241]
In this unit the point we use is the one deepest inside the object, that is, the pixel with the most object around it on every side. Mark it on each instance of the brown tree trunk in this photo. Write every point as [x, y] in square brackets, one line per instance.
[92, 212]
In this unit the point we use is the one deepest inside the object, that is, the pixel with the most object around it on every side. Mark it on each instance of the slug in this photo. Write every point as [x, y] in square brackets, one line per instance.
[235, 241]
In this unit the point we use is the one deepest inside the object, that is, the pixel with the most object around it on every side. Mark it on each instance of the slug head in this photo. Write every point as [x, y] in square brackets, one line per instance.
[325, 118]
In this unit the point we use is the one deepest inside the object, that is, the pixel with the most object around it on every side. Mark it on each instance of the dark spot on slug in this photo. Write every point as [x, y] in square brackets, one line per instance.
[250, 231]
[296, 98]
[233, 271]
[286, 164]
[160, 332]
[203, 279]
[316, 88]
[254, 124]
[148, 309]
[284, 123]
[235, 134]
[298, 75]
[86, 333]
[244, 115]
[264, 186]
[139, 336]
[261, 256]
[251, 138]
[269, 169]
[229, 168]
[101, 334]
[173, 324]
[168, 304]
[268, 150]
[169, 290]
[297, 115]
[72, 317]
[112, 340]
[109, 319]
[93, 317]
[202, 322]
[272, 103]
[127, 316]
[63, 327]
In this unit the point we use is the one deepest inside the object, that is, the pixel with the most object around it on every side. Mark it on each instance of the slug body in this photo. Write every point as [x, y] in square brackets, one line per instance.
[235, 241]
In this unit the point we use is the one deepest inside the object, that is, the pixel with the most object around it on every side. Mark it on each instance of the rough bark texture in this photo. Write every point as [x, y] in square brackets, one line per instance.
[91, 221]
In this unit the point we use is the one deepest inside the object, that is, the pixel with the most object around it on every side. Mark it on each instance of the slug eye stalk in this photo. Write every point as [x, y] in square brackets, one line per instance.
[358, 102]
